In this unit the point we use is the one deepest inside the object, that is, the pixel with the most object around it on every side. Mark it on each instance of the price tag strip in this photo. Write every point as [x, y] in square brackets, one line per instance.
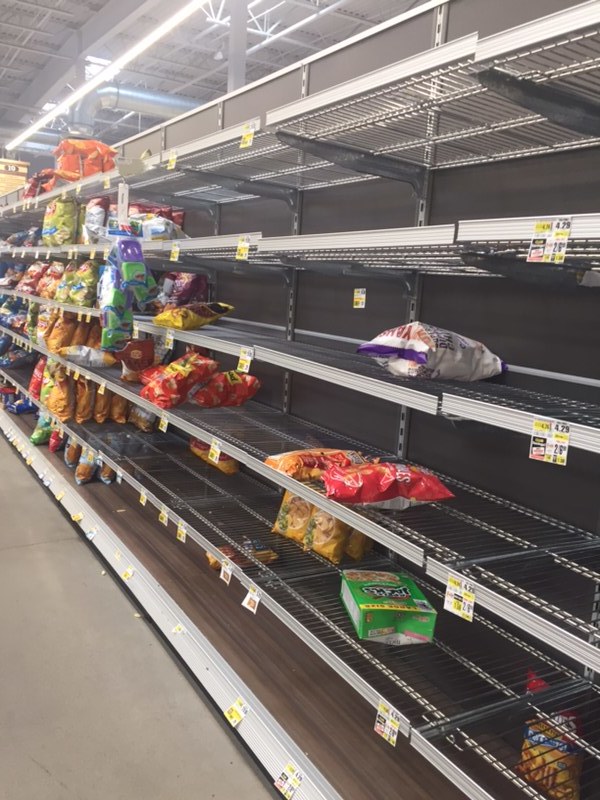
[245, 360]
[252, 599]
[550, 240]
[550, 441]
[460, 597]
[289, 781]
[387, 722]
[237, 712]
[360, 298]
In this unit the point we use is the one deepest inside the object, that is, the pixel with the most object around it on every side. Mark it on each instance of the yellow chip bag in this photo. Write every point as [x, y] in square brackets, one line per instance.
[549, 760]
[195, 315]
[293, 518]
[326, 536]
[358, 545]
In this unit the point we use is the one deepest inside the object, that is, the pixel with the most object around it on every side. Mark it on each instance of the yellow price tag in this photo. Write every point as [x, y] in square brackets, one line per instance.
[78, 189]
[60, 496]
[181, 531]
[243, 248]
[143, 498]
[93, 253]
[77, 517]
[76, 375]
[247, 139]
[79, 316]
[214, 454]
[245, 360]
[88, 317]
[163, 517]
[163, 424]
[29, 460]
[236, 712]
[102, 387]
[169, 340]
[360, 298]
[106, 253]
[172, 162]
[128, 574]
[175, 250]
[106, 182]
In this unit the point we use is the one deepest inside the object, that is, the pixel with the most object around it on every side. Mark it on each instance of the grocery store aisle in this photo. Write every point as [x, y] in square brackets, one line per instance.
[91, 704]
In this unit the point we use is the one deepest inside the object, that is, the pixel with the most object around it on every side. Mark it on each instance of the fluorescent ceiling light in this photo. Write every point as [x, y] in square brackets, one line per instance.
[110, 71]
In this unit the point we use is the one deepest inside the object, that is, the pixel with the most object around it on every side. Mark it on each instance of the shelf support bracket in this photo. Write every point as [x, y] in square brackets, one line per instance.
[358, 160]
[258, 188]
[562, 108]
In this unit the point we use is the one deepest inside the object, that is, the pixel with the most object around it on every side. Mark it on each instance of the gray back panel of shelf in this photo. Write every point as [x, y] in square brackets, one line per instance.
[532, 326]
[359, 416]
[325, 305]
[258, 297]
[498, 461]
[135, 148]
[359, 206]
[553, 184]
[256, 101]
[467, 16]
[271, 217]
[386, 47]
[192, 127]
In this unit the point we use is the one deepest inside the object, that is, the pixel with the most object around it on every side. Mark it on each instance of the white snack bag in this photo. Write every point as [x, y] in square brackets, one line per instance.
[424, 351]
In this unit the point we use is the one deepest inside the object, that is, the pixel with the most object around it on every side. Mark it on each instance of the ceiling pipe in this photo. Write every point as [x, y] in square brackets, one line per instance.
[43, 141]
[126, 98]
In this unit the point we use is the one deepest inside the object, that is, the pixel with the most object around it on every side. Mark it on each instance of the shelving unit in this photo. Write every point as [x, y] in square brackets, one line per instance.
[462, 701]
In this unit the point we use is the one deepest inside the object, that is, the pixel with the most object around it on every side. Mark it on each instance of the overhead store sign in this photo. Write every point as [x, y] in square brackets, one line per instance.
[13, 174]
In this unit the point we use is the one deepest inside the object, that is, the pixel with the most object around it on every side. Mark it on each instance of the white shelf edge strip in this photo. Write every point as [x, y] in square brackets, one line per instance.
[42, 301]
[422, 62]
[523, 618]
[264, 735]
[360, 240]
[582, 436]
[584, 226]
[539, 30]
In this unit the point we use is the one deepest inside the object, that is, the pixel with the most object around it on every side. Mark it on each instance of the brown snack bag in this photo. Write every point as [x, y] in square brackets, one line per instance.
[84, 400]
[61, 333]
[119, 408]
[102, 406]
[94, 335]
[80, 334]
[60, 401]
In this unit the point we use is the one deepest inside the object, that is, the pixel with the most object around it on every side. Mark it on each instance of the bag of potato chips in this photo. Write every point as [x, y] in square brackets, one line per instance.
[326, 536]
[293, 518]
[550, 758]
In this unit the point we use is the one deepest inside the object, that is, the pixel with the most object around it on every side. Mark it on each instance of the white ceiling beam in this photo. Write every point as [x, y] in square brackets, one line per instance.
[114, 17]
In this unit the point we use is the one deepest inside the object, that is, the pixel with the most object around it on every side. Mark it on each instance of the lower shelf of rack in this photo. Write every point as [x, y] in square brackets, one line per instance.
[331, 726]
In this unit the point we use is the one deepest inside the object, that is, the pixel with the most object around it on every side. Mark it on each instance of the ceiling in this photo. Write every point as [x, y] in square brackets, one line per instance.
[46, 47]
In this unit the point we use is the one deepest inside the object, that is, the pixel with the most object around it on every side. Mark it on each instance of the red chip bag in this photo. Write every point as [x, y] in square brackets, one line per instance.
[382, 484]
[226, 389]
[33, 275]
[149, 374]
[35, 384]
[170, 388]
[56, 441]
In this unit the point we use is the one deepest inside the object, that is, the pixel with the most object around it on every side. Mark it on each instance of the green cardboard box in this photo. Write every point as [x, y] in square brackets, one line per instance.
[387, 607]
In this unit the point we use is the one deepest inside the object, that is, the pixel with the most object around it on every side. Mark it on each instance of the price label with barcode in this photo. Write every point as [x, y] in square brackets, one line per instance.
[289, 781]
[169, 340]
[175, 250]
[181, 531]
[247, 139]
[460, 597]
[163, 517]
[163, 424]
[360, 298]
[252, 599]
[245, 359]
[172, 162]
[243, 248]
[387, 722]
[236, 712]
[214, 454]
[226, 572]
[550, 441]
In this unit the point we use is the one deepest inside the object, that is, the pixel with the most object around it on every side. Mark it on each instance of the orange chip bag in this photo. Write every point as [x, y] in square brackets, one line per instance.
[60, 399]
[94, 335]
[62, 332]
[80, 334]
[102, 406]
[293, 518]
[306, 465]
[225, 464]
[119, 409]
[84, 401]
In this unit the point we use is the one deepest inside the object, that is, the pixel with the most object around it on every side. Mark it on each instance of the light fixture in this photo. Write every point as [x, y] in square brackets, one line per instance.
[110, 71]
